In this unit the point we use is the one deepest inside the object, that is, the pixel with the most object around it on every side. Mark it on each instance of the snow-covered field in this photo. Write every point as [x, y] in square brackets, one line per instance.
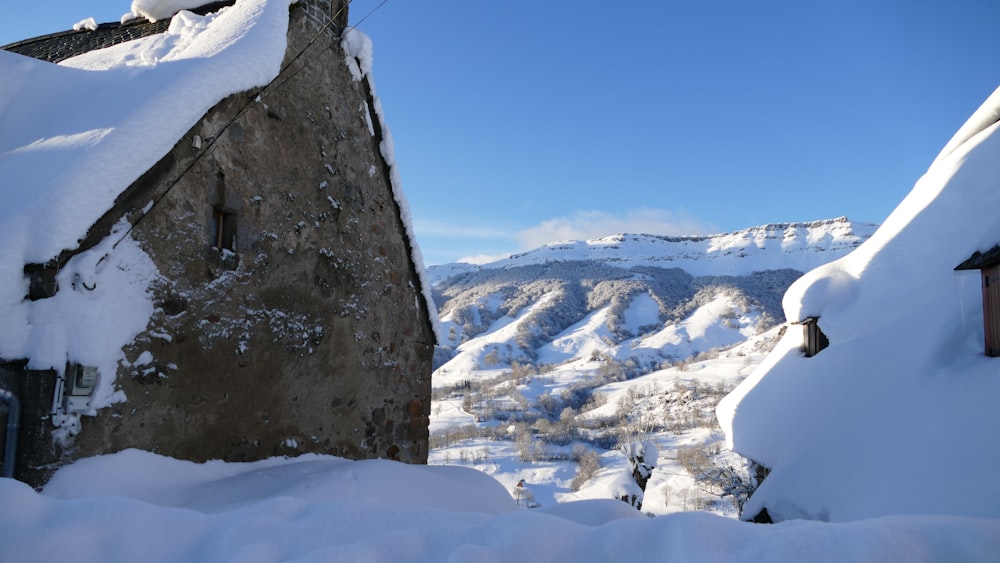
[509, 436]
[136, 506]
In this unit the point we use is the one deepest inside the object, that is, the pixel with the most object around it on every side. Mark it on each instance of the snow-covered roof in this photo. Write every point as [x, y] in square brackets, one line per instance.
[88, 35]
[980, 260]
[78, 133]
[898, 415]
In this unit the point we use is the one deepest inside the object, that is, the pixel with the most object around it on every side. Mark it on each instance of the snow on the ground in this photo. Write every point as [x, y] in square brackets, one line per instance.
[550, 478]
[448, 413]
[497, 339]
[718, 324]
[898, 415]
[580, 339]
[136, 506]
[643, 311]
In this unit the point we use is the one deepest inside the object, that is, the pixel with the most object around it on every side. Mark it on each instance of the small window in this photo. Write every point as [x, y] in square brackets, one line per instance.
[813, 339]
[223, 229]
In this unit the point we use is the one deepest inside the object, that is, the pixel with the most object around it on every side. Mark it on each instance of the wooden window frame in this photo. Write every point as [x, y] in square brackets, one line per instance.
[223, 229]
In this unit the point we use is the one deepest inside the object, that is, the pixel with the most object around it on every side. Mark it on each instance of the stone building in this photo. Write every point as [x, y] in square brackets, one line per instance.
[288, 309]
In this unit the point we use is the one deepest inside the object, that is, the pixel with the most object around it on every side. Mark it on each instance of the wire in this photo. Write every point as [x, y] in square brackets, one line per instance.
[372, 11]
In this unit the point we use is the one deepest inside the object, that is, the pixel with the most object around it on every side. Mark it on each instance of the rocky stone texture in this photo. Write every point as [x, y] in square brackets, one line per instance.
[311, 334]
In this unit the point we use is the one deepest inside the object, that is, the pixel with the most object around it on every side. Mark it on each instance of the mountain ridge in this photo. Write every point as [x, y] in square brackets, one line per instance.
[773, 246]
[646, 298]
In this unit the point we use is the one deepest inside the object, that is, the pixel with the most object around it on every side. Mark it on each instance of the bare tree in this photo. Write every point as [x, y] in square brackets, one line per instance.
[635, 440]
[589, 464]
[721, 478]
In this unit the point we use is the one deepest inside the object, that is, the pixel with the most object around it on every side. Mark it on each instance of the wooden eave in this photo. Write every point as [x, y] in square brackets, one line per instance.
[980, 260]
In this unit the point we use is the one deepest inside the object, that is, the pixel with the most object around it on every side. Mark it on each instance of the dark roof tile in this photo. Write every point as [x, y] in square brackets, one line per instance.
[60, 46]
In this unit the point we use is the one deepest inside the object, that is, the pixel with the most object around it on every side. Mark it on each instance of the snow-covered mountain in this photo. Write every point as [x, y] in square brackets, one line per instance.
[797, 246]
[641, 298]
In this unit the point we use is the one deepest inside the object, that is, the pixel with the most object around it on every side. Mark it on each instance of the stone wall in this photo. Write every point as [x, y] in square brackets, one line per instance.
[34, 390]
[311, 333]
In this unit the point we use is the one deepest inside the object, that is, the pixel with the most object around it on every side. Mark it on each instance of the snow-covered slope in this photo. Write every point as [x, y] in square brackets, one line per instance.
[133, 506]
[643, 298]
[898, 415]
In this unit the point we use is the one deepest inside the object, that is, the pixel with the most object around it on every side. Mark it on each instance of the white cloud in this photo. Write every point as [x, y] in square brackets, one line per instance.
[443, 242]
[587, 225]
[453, 229]
[483, 258]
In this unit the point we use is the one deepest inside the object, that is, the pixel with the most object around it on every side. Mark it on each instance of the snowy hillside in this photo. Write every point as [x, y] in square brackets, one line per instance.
[649, 299]
[547, 362]
[558, 427]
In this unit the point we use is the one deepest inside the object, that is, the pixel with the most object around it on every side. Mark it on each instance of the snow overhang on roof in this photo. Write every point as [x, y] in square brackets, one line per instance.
[57, 47]
[980, 260]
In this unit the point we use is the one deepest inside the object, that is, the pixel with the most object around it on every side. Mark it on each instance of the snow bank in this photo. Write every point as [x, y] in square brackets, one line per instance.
[217, 486]
[135, 506]
[69, 147]
[898, 415]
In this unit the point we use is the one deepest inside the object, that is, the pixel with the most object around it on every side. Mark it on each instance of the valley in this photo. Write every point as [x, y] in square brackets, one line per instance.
[554, 359]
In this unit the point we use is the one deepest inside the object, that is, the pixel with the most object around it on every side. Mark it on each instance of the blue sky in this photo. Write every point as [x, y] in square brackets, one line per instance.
[521, 123]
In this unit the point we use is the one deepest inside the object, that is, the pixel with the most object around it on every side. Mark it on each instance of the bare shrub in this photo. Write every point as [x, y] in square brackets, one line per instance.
[589, 463]
[719, 478]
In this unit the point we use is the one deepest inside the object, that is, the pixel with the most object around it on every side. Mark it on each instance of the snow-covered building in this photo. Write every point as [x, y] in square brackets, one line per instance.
[204, 249]
[898, 414]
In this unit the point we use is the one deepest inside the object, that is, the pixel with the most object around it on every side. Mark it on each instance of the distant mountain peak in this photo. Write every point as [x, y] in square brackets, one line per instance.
[801, 246]
[648, 298]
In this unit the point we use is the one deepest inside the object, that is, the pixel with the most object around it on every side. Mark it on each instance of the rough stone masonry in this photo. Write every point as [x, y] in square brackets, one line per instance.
[290, 316]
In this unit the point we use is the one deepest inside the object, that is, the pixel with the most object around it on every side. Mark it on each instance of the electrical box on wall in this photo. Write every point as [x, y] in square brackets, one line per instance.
[79, 385]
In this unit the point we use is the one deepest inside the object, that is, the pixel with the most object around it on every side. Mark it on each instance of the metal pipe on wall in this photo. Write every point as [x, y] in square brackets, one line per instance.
[13, 423]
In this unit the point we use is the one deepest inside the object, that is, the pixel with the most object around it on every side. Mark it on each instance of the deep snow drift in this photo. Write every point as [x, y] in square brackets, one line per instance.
[136, 506]
[898, 415]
